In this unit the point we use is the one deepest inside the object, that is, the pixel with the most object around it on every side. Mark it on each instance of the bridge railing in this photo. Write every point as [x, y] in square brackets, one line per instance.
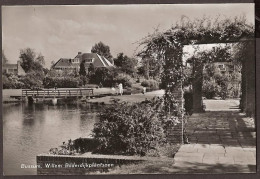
[58, 92]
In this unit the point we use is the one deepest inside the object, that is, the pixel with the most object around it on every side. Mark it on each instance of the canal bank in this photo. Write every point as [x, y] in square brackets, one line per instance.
[101, 96]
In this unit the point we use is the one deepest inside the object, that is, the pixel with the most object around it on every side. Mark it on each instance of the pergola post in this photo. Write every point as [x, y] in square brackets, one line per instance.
[247, 102]
[197, 83]
[250, 79]
[174, 92]
[243, 86]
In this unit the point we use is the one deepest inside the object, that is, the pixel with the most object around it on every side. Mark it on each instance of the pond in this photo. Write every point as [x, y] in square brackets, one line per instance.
[32, 129]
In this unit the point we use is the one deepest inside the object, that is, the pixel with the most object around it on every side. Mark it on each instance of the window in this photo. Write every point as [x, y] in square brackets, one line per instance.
[221, 66]
[89, 60]
[75, 60]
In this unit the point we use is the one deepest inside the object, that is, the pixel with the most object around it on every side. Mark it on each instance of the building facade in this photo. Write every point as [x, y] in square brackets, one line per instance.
[73, 65]
[15, 69]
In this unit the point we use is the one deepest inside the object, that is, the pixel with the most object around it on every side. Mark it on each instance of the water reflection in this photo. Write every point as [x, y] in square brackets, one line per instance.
[33, 129]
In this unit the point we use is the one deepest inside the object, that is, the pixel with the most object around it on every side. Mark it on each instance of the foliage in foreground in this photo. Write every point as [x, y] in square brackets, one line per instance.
[133, 129]
[77, 146]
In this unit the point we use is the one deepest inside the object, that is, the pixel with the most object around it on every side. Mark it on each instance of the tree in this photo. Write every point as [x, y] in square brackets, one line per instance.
[82, 69]
[27, 57]
[52, 63]
[101, 76]
[119, 60]
[29, 61]
[40, 59]
[4, 59]
[103, 50]
[91, 69]
[129, 66]
[126, 64]
[150, 67]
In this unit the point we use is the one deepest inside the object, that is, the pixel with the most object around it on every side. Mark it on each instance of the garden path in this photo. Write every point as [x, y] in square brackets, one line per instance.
[222, 140]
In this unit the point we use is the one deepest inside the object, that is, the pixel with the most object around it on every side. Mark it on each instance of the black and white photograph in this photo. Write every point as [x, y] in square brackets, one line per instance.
[129, 89]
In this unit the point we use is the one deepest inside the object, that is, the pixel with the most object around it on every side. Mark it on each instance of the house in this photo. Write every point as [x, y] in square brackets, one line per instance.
[87, 58]
[226, 67]
[15, 69]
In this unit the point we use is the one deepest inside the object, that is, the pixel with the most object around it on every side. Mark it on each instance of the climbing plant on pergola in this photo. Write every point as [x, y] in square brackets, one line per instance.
[168, 48]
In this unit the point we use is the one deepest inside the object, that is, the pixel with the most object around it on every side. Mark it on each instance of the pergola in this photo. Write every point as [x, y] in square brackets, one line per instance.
[168, 47]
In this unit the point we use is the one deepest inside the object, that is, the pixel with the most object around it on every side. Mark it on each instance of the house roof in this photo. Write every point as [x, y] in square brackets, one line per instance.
[63, 62]
[98, 61]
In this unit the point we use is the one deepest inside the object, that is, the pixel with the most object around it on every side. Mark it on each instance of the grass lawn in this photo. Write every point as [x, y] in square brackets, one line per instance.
[128, 98]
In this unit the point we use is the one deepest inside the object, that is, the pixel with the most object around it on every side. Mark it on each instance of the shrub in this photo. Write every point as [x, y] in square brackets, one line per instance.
[109, 77]
[58, 82]
[126, 80]
[153, 84]
[83, 80]
[31, 82]
[132, 128]
[7, 84]
[210, 89]
[102, 76]
[33, 79]
[11, 81]
[80, 145]
[145, 83]
[85, 145]
[91, 86]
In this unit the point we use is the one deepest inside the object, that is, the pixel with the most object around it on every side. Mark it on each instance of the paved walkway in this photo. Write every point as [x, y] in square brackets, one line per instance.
[221, 141]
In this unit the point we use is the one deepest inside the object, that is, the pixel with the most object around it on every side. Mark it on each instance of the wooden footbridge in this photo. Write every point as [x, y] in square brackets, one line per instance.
[55, 93]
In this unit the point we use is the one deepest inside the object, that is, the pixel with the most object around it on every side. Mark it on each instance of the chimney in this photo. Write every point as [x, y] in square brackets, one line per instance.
[79, 53]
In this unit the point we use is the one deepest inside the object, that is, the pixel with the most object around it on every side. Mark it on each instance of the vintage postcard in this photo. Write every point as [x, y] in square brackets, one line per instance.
[128, 89]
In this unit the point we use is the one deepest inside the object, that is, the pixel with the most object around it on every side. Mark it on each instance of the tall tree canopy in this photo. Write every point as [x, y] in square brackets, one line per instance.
[126, 64]
[30, 61]
[102, 49]
[150, 68]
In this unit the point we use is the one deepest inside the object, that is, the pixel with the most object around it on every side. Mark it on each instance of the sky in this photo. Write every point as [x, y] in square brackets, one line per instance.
[63, 31]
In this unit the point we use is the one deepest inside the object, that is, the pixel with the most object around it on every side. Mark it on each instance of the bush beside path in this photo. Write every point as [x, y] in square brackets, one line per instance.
[221, 141]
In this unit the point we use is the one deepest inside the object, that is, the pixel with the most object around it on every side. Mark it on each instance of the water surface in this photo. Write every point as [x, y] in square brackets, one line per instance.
[29, 130]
